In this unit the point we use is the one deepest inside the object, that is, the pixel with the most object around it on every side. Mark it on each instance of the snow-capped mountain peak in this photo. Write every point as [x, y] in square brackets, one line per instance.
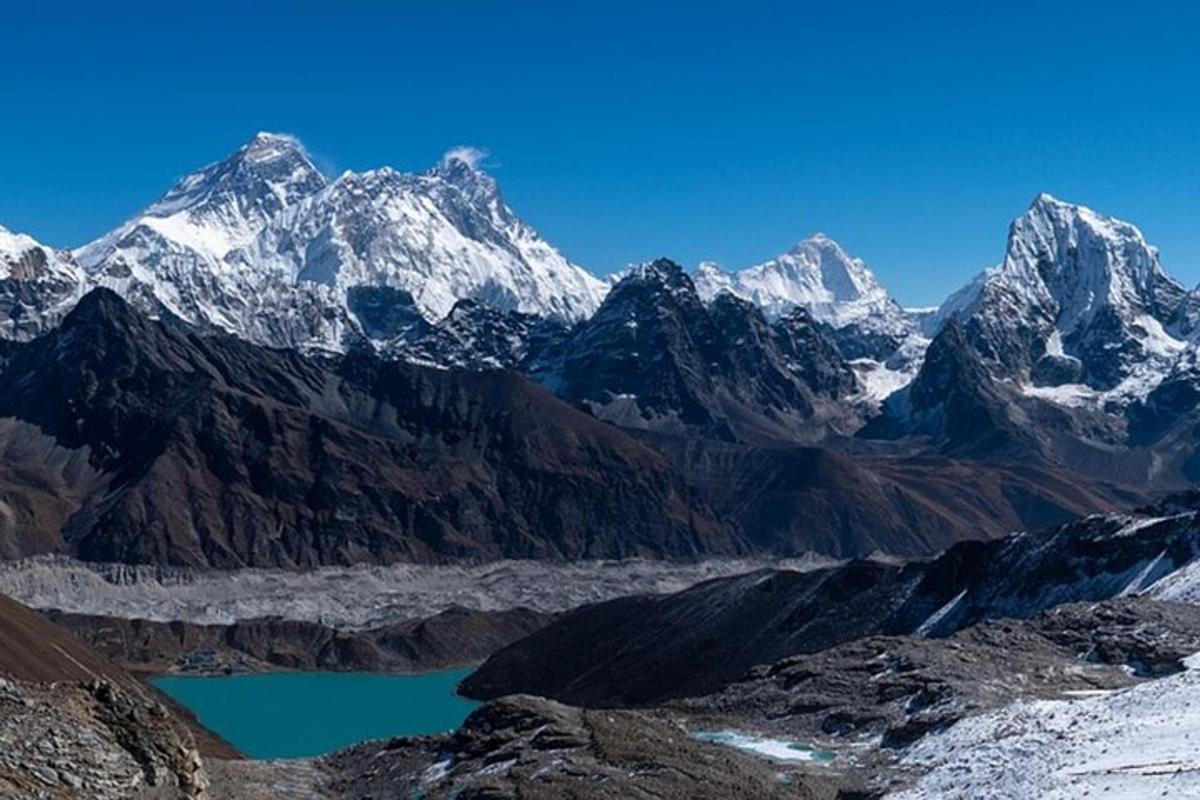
[1079, 300]
[218, 208]
[38, 285]
[1086, 260]
[815, 273]
[842, 294]
[842, 277]
[442, 235]
[462, 167]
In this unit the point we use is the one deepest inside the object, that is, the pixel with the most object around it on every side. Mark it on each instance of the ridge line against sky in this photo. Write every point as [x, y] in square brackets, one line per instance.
[910, 133]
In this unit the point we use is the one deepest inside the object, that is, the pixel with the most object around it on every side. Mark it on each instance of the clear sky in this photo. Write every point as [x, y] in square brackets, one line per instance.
[911, 132]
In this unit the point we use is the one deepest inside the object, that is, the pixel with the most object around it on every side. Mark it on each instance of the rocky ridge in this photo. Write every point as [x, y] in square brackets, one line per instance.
[762, 617]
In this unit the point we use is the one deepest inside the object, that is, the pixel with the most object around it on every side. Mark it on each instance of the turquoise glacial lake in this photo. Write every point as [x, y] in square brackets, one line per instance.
[297, 714]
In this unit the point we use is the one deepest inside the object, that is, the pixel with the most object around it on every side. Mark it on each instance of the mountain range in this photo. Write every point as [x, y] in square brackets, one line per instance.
[264, 246]
[789, 405]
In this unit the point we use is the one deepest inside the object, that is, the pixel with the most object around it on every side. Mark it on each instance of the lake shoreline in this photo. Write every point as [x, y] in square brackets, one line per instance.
[301, 714]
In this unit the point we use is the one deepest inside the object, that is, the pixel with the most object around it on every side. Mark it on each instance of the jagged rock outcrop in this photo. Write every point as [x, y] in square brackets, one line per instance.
[536, 749]
[74, 725]
[1080, 298]
[655, 357]
[477, 336]
[957, 405]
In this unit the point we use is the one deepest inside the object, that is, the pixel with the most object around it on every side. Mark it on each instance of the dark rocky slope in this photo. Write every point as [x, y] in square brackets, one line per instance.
[655, 357]
[956, 403]
[33, 649]
[528, 748]
[74, 725]
[211, 451]
[790, 499]
[133, 441]
[642, 649]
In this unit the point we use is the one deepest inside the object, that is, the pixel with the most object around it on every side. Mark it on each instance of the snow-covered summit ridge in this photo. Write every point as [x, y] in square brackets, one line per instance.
[262, 245]
[24, 258]
[816, 273]
[38, 285]
[1080, 305]
[1085, 261]
[219, 207]
[443, 235]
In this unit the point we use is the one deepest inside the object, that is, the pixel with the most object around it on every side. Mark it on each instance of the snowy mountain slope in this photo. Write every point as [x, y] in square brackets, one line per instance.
[957, 303]
[263, 246]
[817, 274]
[218, 208]
[840, 292]
[1132, 744]
[38, 286]
[175, 257]
[443, 236]
[1080, 305]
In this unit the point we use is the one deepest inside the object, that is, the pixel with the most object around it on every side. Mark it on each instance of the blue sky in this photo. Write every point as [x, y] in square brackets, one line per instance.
[911, 132]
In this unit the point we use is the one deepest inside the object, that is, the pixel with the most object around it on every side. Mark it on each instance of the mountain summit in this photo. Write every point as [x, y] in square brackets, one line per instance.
[815, 273]
[843, 295]
[217, 208]
[442, 236]
[1080, 298]
[262, 245]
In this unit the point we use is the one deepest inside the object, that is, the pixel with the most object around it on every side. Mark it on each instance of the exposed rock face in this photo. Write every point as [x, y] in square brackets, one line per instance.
[1079, 285]
[452, 638]
[655, 357]
[810, 355]
[215, 451]
[639, 650]
[957, 404]
[91, 742]
[38, 286]
[477, 336]
[535, 749]
[386, 314]
[74, 725]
